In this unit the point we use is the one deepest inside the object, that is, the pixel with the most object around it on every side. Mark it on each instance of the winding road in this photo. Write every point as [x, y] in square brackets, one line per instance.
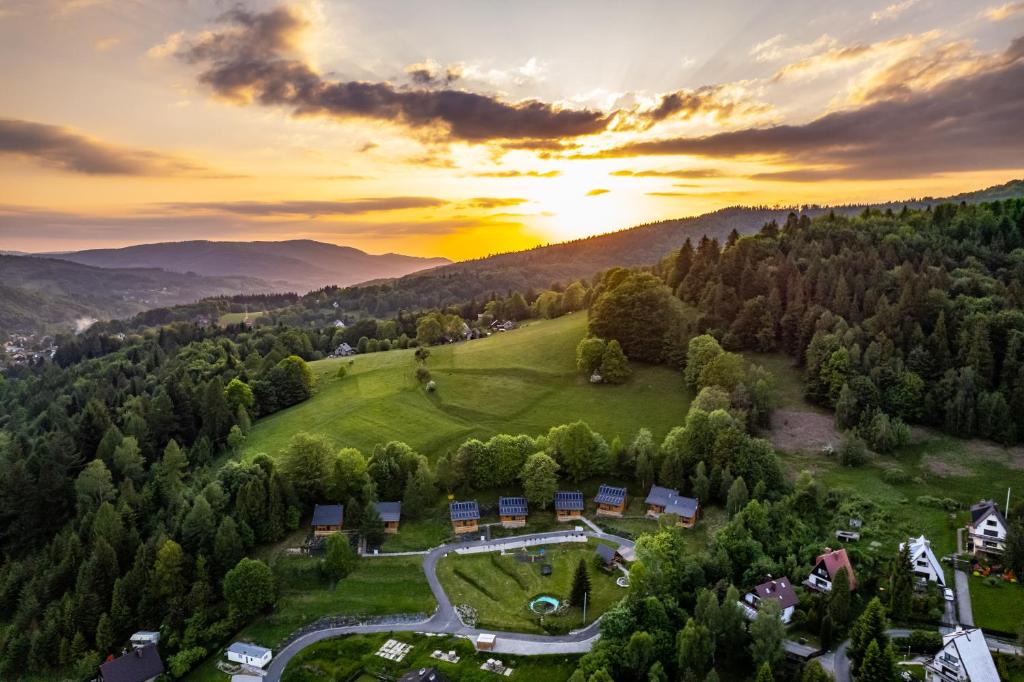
[445, 619]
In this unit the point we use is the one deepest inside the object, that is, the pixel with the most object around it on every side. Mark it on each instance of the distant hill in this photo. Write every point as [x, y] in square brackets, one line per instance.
[297, 265]
[47, 294]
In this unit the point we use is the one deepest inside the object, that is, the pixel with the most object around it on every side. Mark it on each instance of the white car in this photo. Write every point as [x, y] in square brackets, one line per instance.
[948, 594]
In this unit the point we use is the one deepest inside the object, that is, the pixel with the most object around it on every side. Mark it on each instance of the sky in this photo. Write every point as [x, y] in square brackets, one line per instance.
[462, 129]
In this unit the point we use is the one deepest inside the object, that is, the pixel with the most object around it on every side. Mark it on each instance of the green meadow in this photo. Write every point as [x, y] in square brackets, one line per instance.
[522, 381]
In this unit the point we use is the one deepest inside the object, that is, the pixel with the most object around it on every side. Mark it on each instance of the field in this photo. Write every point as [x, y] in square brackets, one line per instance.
[346, 657]
[499, 587]
[997, 608]
[523, 381]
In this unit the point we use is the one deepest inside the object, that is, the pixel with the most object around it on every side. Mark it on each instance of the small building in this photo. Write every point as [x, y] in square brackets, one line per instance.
[485, 642]
[423, 675]
[465, 517]
[328, 519]
[922, 558]
[512, 511]
[568, 505]
[606, 555]
[202, 321]
[826, 566]
[343, 351]
[138, 665]
[668, 501]
[391, 514]
[144, 638]
[249, 654]
[847, 535]
[779, 591]
[338, 324]
[610, 500]
[964, 657]
[986, 532]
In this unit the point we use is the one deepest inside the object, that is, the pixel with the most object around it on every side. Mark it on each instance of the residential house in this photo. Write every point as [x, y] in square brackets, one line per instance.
[465, 517]
[924, 562]
[986, 532]
[780, 591]
[202, 321]
[610, 500]
[390, 513]
[423, 675]
[826, 566]
[249, 654]
[568, 505]
[343, 351]
[964, 657]
[512, 511]
[328, 519]
[668, 501]
[138, 665]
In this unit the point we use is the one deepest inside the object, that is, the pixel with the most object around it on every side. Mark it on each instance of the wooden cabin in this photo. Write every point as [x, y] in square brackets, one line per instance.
[668, 501]
[390, 513]
[512, 511]
[465, 517]
[610, 500]
[568, 505]
[328, 519]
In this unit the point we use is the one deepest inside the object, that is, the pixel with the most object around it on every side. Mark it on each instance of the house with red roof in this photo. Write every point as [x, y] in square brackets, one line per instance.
[826, 566]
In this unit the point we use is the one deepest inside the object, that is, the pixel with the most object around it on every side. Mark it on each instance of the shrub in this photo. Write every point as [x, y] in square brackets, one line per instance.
[341, 372]
[853, 452]
[896, 476]
[946, 503]
[422, 375]
[920, 641]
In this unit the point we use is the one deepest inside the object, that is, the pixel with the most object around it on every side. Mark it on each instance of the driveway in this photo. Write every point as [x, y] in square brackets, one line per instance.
[445, 619]
[963, 598]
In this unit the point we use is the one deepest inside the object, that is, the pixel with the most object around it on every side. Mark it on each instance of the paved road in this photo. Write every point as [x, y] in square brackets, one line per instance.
[446, 620]
[963, 598]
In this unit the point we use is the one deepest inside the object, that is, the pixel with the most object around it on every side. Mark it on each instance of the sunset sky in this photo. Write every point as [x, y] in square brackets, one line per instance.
[460, 129]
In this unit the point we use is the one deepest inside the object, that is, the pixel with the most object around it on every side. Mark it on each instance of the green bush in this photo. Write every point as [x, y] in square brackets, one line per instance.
[896, 476]
[945, 503]
[920, 641]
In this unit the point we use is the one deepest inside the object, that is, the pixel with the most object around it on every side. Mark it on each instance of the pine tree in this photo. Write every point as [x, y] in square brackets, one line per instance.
[764, 674]
[580, 585]
[869, 629]
[878, 664]
[737, 498]
[614, 364]
[839, 600]
[902, 584]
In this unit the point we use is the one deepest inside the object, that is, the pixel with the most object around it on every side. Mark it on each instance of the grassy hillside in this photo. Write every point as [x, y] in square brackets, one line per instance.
[522, 381]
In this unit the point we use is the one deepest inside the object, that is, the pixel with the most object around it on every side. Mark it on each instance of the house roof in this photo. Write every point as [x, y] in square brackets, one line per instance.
[464, 511]
[972, 650]
[833, 561]
[135, 666]
[606, 553]
[780, 591]
[921, 548]
[423, 675]
[512, 506]
[983, 509]
[672, 501]
[246, 649]
[328, 515]
[389, 511]
[569, 500]
[610, 494]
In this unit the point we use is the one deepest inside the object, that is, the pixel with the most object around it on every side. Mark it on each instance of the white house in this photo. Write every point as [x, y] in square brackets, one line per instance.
[964, 657]
[922, 558]
[987, 529]
[779, 591]
[249, 654]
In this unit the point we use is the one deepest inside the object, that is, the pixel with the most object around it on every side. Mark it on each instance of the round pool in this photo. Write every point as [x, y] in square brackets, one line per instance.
[544, 605]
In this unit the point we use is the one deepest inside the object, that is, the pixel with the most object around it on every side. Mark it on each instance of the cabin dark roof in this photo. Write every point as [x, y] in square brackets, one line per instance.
[423, 675]
[464, 511]
[610, 494]
[135, 666]
[984, 508]
[569, 500]
[389, 511]
[672, 501]
[328, 515]
[606, 553]
[780, 591]
[512, 506]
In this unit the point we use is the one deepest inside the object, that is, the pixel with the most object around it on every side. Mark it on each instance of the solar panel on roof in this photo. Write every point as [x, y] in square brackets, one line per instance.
[569, 500]
[464, 511]
[512, 506]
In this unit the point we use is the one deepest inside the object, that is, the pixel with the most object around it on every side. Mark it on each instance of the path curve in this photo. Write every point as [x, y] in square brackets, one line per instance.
[445, 619]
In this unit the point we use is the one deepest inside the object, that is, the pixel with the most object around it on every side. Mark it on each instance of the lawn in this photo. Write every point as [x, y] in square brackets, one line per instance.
[499, 587]
[523, 381]
[413, 536]
[997, 608]
[354, 657]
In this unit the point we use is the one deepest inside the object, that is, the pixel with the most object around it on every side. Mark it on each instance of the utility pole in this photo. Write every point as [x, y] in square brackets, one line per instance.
[584, 608]
[1006, 510]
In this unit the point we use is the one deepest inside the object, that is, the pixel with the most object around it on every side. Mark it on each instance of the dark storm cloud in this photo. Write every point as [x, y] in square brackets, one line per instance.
[254, 57]
[70, 151]
[972, 123]
[308, 208]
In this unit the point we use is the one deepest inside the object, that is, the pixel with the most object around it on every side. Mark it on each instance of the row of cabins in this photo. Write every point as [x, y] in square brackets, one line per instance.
[569, 505]
[329, 519]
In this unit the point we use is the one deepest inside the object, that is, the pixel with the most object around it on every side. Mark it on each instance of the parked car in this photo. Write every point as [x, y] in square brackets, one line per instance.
[948, 594]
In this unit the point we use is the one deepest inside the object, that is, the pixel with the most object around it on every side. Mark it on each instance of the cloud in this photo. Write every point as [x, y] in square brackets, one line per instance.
[104, 44]
[718, 102]
[597, 192]
[65, 149]
[255, 57]
[492, 202]
[1003, 12]
[677, 173]
[892, 11]
[777, 49]
[310, 208]
[730, 195]
[970, 123]
[430, 72]
[518, 174]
